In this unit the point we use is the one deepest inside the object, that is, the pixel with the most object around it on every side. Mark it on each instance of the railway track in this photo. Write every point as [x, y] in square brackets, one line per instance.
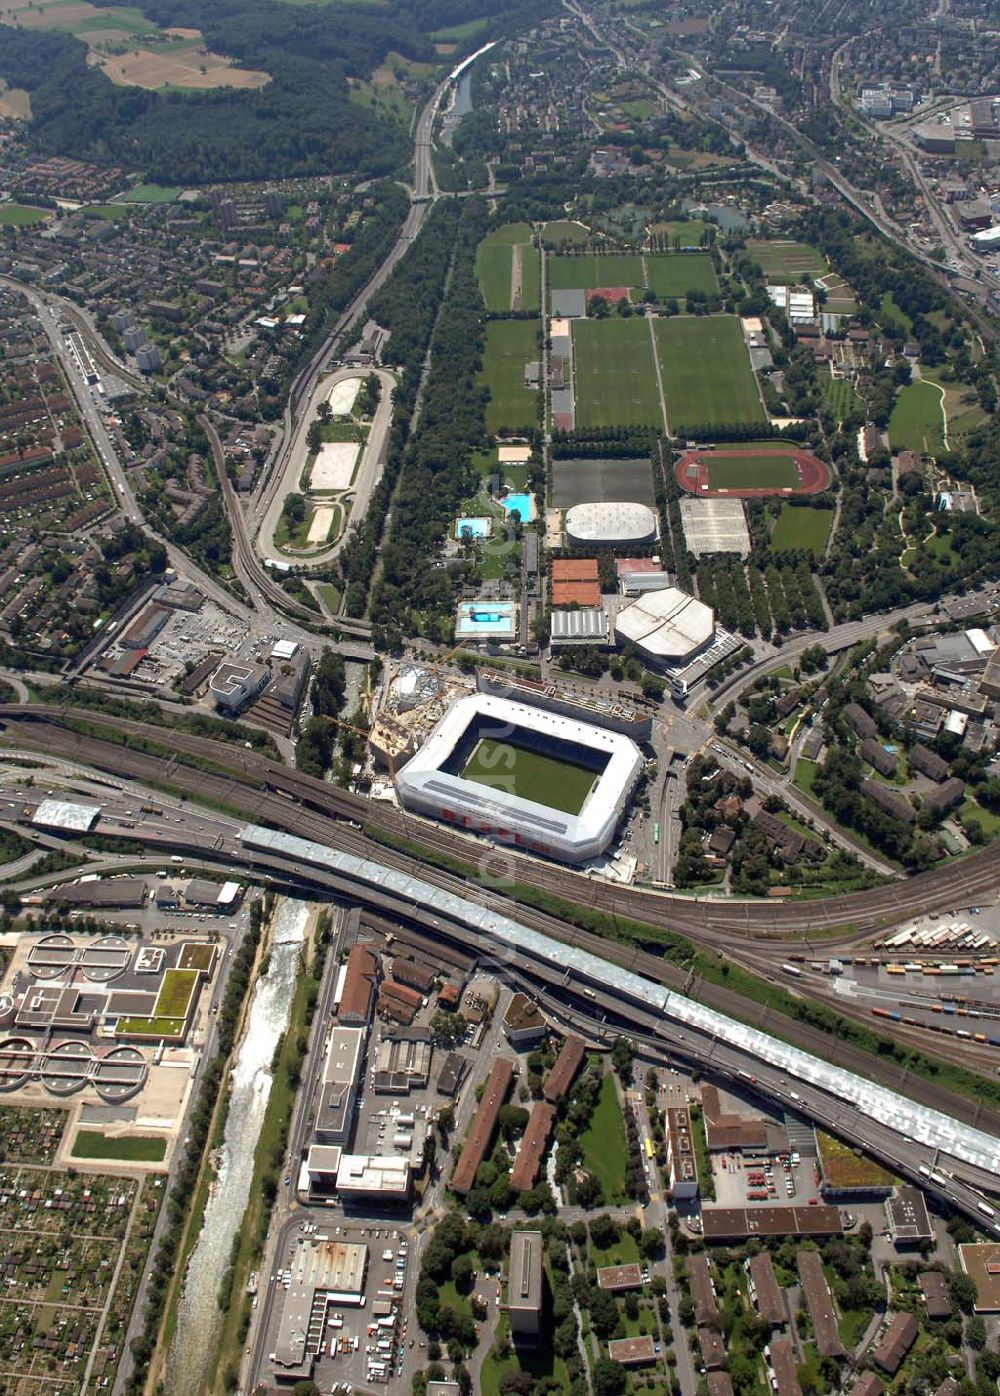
[266, 806]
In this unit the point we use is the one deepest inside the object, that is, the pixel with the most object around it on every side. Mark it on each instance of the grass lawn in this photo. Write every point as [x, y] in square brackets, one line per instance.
[493, 264]
[150, 1027]
[615, 374]
[689, 231]
[92, 1143]
[916, 423]
[330, 596]
[676, 273]
[590, 271]
[510, 345]
[706, 371]
[787, 261]
[22, 216]
[152, 194]
[565, 230]
[502, 765]
[801, 527]
[774, 471]
[603, 1143]
[805, 775]
[989, 821]
[539, 1363]
[893, 315]
[623, 1252]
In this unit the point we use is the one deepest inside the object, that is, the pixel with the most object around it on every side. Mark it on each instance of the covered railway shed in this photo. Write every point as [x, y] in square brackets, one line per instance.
[895, 1112]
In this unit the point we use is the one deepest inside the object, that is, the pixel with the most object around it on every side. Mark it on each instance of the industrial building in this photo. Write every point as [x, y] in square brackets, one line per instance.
[431, 785]
[338, 1085]
[233, 686]
[323, 1272]
[363, 1178]
[610, 525]
[906, 1214]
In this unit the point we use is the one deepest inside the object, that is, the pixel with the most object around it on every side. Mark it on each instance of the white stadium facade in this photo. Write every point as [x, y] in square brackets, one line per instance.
[430, 783]
[610, 525]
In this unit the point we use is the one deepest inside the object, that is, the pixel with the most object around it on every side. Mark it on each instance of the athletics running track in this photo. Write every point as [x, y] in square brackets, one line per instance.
[692, 473]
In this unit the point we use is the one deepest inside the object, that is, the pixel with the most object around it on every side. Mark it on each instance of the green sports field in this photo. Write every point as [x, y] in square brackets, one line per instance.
[529, 775]
[756, 472]
[916, 422]
[21, 215]
[590, 271]
[706, 371]
[676, 273]
[615, 376]
[787, 261]
[510, 344]
[494, 263]
[799, 526]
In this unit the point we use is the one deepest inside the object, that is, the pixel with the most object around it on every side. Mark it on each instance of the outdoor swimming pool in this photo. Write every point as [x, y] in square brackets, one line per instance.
[472, 528]
[523, 503]
[484, 618]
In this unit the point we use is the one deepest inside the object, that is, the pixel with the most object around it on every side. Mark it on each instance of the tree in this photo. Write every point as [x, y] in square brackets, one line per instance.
[963, 1291]
[609, 1377]
[294, 508]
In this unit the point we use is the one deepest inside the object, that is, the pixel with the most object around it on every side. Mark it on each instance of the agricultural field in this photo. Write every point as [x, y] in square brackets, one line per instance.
[505, 250]
[677, 273]
[115, 36]
[562, 785]
[30, 1135]
[706, 372]
[510, 345]
[839, 296]
[799, 526]
[787, 261]
[22, 216]
[838, 395]
[590, 271]
[916, 423]
[615, 376]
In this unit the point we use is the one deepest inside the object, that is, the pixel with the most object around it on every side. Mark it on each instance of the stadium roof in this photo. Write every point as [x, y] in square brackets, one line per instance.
[612, 522]
[667, 624]
[896, 1112]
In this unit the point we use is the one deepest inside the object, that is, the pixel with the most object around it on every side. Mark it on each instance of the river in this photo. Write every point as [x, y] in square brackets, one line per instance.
[199, 1319]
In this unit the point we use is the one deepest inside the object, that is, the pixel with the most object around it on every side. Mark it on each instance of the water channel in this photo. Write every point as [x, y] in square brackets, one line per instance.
[199, 1318]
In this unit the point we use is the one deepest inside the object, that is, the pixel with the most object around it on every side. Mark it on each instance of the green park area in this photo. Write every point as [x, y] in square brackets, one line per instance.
[565, 230]
[681, 232]
[603, 1143]
[916, 423]
[530, 775]
[787, 261]
[92, 1143]
[22, 215]
[706, 372]
[615, 374]
[151, 194]
[496, 258]
[677, 273]
[510, 346]
[800, 526]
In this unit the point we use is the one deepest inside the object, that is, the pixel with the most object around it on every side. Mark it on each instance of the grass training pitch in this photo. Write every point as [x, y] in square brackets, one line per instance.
[677, 273]
[92, 1143]
[787, 261]
[707, 377]
[503, 766]
[22, 216]
[615, 377]
[496, 257]
[916, 423]
[590, 271]
[510, 345]
[801, 527]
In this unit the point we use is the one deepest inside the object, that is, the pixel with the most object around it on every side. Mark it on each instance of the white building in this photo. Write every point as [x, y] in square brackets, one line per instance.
[668, 627]
[609, 525]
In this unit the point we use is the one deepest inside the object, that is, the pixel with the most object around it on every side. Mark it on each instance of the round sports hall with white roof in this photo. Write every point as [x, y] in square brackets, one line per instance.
[609, 525]
[667, 626]
[542, 782]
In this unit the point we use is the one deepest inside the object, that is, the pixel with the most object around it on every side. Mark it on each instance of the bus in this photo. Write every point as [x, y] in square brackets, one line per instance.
[649, 1147]
[656, 833]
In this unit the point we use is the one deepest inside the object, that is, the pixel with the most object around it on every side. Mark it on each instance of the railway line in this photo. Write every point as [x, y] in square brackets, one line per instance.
[833, 921]
[276, 808]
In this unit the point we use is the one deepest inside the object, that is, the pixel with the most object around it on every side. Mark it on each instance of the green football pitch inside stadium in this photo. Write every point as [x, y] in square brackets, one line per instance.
[502, 766]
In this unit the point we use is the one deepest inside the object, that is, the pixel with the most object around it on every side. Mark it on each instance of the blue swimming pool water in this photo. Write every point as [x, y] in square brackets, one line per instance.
[523, 503]
[477, 619]
[476, 528]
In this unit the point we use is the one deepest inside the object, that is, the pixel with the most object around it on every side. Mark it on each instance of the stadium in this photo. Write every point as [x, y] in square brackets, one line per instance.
[540, 781]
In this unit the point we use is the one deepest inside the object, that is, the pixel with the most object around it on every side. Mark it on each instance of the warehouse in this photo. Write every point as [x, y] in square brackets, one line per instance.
[585, 774]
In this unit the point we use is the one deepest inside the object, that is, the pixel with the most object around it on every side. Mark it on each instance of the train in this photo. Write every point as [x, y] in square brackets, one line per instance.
[894, 1017]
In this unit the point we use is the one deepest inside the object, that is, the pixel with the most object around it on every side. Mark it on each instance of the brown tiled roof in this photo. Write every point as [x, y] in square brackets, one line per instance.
[567, 1064]
[480, 1134]
[524, 1174]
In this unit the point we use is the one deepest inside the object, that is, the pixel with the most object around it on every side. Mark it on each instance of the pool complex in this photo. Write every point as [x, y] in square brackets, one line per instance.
[523, 503]
[473, 528]
[484, 618]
